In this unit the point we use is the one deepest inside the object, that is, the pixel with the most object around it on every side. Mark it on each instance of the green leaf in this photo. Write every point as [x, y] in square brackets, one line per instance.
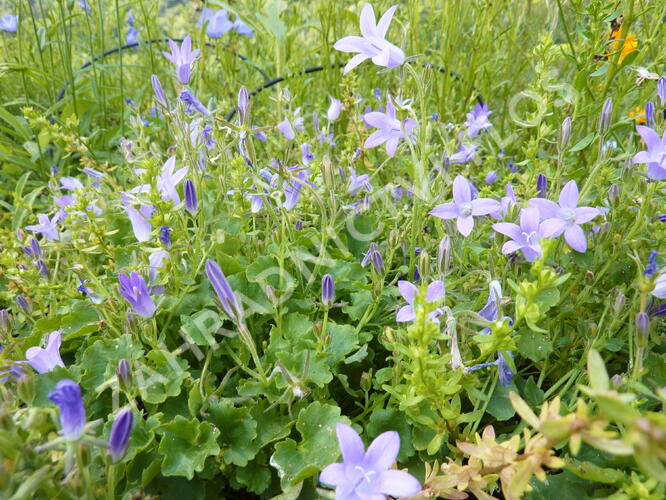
[534, 345]
[160, 376]
[499, 405]
[185, 446]
[583, 143]
[596, 371]
[256, 477]
[99, 361]
[238, 431]
[343, 341]
[360, 302]
[317, 448]
[561, 486]
[391, 419]
[201, 327]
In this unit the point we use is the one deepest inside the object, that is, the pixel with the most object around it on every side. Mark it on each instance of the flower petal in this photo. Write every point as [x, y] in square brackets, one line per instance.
[351, 445]
[465, 225]
[385, 21]
[405, 314]
[367, 21]
[586, 214]
[529, 219]
[552, 228]
[484, 206]
[407, 290]
[445, 211]
[382, 452]
[575, 237]
[352, 44]
[547, 208]
[354, 61]
[398, 483]
[333, 474]
[650, 137]
[569, 195]
[435, 291]
[461, 190]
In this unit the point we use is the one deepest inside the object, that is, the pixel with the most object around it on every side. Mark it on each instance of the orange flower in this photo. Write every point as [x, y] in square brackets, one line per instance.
[630, 43]
[638, 114]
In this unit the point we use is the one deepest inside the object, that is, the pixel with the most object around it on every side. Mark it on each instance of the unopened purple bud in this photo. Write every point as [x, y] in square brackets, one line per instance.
[165, 236]
[36, 249]
[28, 251]
[298, 225]
[244, 105]
[43, 270]
[191, 203]
[643, 322]
[491, 177]
[661, 90]
[120, 434]
[542, 184]
[21, 301]
[565, 133]
[377, 260]
[327, 290]
[223, 290]
[605, 116]
[159, 92]
[649, 114]
[67, 395]
[124, 374]
[417, 275]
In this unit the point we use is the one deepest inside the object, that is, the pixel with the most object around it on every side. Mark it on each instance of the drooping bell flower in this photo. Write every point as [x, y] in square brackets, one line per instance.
[67, 396]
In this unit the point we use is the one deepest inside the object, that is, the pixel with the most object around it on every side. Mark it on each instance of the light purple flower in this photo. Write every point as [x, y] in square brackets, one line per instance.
[327, 290]
[491, 177]
[44, 360]
[70, 183]
[373, 44]
[464, 208]
[368, 474]
[524, 237]
[661, 90]
[358, 182]
[373, 255]
[218, 22]
[655, 156]
[223, 290]
[477, 120]
[84, 5]
[120, 434]
[334, 109]
[182, 57]
[434, 293]
[660, 286]
[168, 180]
[507, 202]
[135, 291]
[285, 128]
[159, 91]
[566, 217]
[191, 101]
[156, 262]
[390, 130]
[139, 220]
[46, 227]
[306, 155]
[242, 28]
[292, 188]
[67, 396]
[466, 152]
[9, 23]
[165, 236]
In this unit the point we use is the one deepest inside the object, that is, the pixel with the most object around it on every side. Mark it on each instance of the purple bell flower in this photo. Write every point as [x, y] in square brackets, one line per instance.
[67, 396]
[133, 288]
[182, 57]
[120, 434]
[44, 360]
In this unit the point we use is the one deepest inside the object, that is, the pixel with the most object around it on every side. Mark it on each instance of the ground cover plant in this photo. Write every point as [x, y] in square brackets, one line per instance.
[293, 250]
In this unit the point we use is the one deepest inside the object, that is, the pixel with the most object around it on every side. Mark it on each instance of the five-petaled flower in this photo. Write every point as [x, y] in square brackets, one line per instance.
[434, 293]
[182, 57]
[477, 120]
[47, 227]
[389, 129]
[566, 217]
[524, 237]
[373, 44]
[368, 474]
[655, 156]
[464, 208]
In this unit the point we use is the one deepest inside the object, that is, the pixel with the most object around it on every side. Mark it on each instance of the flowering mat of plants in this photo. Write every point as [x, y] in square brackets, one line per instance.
[320, 249]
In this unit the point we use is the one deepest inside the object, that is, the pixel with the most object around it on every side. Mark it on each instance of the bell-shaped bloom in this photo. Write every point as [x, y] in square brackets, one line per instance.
[120, 434]
[286, 129]
[389, 129]
[524, 237]
[242, 28]
[327, 290]
[477, 120]
[358, 182]
[566, 217]
[223, 290]
[46, 227]
[373, 44]
[9, 23]
[504, 372]
[655, 156]
[464, 208]
[368, 474]
[70, 183]
[135, 291]
[334, 109]
[218, 22]
[191, 102]
[435, 293]
[660, 286]
[465, 153]
[139, 220]
[67, 396]
[182, 57]
[44, 360]
[168, 180]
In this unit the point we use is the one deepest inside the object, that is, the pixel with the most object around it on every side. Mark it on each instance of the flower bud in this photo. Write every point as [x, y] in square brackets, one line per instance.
[21, 301]
[649, 114]
[270, 294]
[328, 173]
[120, 434]
[661, 90]
[643, 322]
[605, 117]
[565, 133]
[616, 381]
[244, 105]
[613, 193]
[159, 92]
[618, 305]
[366, 381]
[542, 185]
[334, 109]
[165, 236]
[327, 290]
[5, 325]
[191, 203]
[443, 254]
[124, 374]
[424, 263]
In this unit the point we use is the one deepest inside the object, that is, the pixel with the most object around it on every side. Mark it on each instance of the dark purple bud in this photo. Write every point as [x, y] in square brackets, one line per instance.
[565, 133]
[223, 290]
[159, 92]
[377, 260]
[165, 236]
[605, 116]
[244, 105]
[120, 434]
[67, 396]
[542, 184]
[327, 290]
[651, 268]
[190, 197]
[21, 301]
[36, 249]
[662, 218]
[124, 374]
[649, 114]
[417, 275]
[298, 225]
[643, 322]
[28, 251]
